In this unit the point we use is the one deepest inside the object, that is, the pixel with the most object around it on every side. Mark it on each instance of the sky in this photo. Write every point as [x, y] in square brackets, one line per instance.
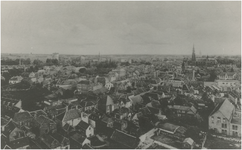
[159, 27]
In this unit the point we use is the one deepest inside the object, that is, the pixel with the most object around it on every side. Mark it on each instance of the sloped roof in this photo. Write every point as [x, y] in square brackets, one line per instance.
[109, 101]
[226, 108]
[18, 143]
[72, 114]
[87, 103]
[82, 125]
[136, 99]
[43, 119]
[67, 127]
[78, 137]
[189, 141]
[22, 116]
[125, 139]
[9, 128]
[60, 138]
[50, 141]
[168, 127]
[38, 113]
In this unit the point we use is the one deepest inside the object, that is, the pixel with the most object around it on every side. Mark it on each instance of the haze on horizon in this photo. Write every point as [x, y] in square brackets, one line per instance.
[121, 27]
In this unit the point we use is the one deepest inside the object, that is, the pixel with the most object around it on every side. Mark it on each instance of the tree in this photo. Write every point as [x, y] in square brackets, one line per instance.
[213, 75]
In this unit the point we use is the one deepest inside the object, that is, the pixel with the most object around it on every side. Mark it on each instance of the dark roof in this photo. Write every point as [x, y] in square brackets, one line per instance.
[4, 121]
[125, 139]
[87, 146]
[86, 103]
[78, 137]
[18, 143]
[38, 113]
[43, 119]
[50, 141]
[9, 128]
[60, 138]
[82, 125]
[61, 116]
[67, 127]
[34, 145]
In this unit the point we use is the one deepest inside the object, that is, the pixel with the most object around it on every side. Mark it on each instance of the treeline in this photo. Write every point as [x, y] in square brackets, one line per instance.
[50, 62]
[15, 61]
[106, 64]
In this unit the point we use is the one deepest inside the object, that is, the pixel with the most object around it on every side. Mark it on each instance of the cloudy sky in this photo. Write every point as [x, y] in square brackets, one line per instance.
[121, 27]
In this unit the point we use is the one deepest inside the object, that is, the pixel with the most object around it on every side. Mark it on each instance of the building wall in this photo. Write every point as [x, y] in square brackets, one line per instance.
[89, 131]
[74, 122]
[235, 129]
[216, 123]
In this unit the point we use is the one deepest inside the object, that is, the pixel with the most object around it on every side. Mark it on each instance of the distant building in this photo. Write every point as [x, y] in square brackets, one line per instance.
[227, 85]
[227, 76]
[55, 56]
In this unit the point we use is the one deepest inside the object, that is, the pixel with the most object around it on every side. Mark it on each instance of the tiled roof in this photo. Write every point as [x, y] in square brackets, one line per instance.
[168, 127]
[226, 108]
[22, 116]
[60, 138]
[38, 113]
[44, 119]
[82, 125]
[50, 141]
[125, 139]
[72, 114]
[78, 137]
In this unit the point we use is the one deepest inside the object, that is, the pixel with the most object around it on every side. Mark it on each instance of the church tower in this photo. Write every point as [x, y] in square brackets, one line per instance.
[193, 55]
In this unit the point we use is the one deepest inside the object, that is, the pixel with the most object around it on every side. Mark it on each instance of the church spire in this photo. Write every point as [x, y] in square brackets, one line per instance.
[193, 55]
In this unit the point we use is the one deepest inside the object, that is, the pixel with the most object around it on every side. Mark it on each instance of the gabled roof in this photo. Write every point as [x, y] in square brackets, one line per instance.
[50, 141]
[60, 116]
[82, 125]
[78, 137]
[43, 119]
[60, 138]
[67, 127]
[71, 114]
[38, 113]
[226, 108]
[10, 126]
[125, 139]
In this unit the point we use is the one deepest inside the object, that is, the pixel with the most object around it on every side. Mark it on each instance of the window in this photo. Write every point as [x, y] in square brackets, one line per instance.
[234, 127]
[224, 131]
[224, 120]
[212, 118]
[224, 125]
[218, 120]
[235, 133]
